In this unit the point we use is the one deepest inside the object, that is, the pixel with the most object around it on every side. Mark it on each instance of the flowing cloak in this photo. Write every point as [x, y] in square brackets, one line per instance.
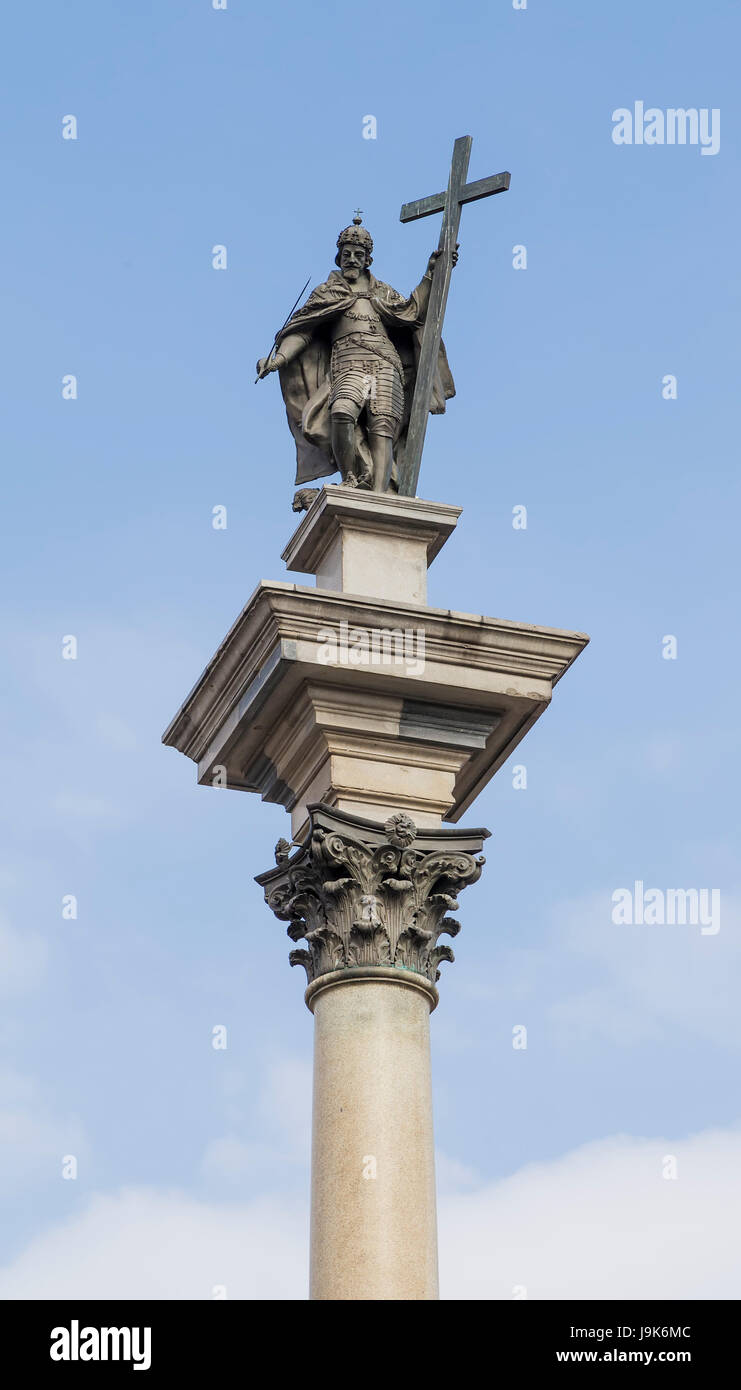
[305, 382]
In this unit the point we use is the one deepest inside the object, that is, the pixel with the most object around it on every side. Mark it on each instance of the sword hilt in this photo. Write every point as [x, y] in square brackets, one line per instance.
[264, 371]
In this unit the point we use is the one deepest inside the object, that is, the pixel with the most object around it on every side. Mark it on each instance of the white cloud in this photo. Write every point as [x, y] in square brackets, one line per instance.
[82, 805]
[637, 983]
[285, 1100]
[600, 1222]
[453, 1176]
[653, 980]
[238, 1160]
[23, 960]
[146, 1244]
[116, 733]
[33, 1139]
[283, 1121]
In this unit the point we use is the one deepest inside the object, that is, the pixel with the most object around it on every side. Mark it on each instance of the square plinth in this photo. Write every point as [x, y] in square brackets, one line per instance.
[371, 543]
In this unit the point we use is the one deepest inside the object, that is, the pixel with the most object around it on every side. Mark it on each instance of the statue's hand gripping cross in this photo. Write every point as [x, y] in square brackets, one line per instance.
[449, 203]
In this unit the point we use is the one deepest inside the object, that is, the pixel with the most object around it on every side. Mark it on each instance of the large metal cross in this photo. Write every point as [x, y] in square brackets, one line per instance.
[449, 204]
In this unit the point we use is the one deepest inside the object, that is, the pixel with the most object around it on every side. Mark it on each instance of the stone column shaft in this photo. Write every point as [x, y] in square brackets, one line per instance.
[371, 902]
[373, 1220]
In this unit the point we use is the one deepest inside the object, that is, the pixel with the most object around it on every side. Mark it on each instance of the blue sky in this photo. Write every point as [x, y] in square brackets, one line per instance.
[244, 128]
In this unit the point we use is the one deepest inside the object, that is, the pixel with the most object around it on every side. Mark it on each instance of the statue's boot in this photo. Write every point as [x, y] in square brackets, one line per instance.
[343, 448]
[382, 453]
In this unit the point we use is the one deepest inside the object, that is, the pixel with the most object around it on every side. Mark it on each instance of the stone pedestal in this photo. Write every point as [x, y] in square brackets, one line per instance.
[372, 719]
[370, 704]
[375, 545]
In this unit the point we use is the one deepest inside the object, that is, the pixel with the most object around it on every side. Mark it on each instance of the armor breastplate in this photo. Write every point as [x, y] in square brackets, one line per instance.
[361, 317]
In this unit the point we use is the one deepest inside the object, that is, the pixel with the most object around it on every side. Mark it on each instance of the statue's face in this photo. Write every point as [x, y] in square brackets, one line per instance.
[352, 260]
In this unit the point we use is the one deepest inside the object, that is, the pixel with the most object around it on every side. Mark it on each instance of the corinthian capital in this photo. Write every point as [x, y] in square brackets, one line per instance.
[362, 894]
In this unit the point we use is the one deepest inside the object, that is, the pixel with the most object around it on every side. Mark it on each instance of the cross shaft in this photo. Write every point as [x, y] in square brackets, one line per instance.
[450, 204]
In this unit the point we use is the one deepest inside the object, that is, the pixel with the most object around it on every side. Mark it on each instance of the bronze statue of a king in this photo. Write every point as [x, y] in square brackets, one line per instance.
[348, 364]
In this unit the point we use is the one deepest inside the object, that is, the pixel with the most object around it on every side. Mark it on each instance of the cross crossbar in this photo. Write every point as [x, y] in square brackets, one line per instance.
[480, 188]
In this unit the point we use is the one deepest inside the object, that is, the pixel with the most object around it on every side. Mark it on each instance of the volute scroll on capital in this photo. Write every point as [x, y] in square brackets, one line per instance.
[358, 893]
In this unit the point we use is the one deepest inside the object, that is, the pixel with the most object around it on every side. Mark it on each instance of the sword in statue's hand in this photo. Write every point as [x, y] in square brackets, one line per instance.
[265, 368]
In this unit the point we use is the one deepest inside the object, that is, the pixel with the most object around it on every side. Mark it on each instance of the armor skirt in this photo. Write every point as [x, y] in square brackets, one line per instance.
[360, 375]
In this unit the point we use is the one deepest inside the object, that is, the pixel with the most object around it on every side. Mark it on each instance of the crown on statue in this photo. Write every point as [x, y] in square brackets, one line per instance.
[357, 235]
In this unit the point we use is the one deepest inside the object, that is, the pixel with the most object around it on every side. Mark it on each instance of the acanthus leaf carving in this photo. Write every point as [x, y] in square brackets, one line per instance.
[358, 893]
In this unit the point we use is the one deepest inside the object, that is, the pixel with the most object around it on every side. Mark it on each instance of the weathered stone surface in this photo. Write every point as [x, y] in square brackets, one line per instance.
[276, 711]
[379, 546]
[361, 894]
[373, 1156]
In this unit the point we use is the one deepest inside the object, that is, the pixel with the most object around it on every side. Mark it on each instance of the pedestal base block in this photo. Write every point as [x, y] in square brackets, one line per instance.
[375, 544]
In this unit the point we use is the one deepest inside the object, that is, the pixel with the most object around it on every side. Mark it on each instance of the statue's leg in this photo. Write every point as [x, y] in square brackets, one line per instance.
[385, 407]
[343, 415]
[382, 453]
[365, 471]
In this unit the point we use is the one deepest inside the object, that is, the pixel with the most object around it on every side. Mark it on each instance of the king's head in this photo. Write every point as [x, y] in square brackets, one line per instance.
[354, 247]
